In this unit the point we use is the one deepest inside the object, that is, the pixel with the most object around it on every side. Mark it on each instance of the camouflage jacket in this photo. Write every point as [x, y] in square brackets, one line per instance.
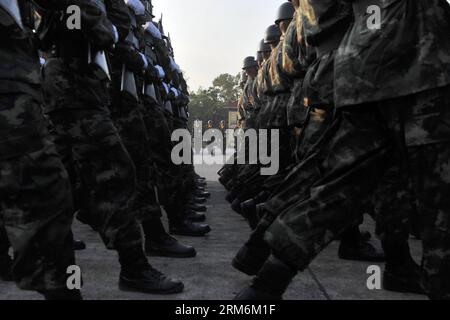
[19, 67]
[410, 53]
[69, 82]
[324, 23]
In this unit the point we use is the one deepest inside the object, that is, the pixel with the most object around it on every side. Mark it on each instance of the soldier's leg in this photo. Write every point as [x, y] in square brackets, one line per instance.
[331, 198]
[169, 178]
[431, 181]
[107, 174]
[35, 200]
[5, 259]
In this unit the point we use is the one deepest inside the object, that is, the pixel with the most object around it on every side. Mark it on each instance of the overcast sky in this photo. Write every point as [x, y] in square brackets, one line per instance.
[211, 37]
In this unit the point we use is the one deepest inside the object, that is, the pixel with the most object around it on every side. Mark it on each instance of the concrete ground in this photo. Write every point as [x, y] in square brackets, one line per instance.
[210, 276]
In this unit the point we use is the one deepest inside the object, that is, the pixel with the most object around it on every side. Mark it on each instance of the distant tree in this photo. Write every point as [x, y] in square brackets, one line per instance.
[209, 104]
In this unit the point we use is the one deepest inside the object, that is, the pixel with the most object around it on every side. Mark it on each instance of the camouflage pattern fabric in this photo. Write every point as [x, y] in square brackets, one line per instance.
[129, 121]
[367, 141]
[88, 141]
[35, 197]
[408, 54]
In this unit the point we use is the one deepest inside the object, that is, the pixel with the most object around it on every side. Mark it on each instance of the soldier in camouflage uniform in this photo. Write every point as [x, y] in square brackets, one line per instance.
[127, 112]
[77, 102]
[173, 192]
[382, 128]
[36, 205]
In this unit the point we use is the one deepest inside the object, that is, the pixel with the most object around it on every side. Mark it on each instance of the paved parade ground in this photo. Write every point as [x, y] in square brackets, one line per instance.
[210, 275]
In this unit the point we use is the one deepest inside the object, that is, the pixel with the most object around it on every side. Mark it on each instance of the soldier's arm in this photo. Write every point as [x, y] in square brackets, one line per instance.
[95, 25]
[118, 14]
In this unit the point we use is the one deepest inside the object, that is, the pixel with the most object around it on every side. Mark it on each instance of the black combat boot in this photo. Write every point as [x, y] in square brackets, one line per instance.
[354, 247]
[203, 194]
[236, 206]
[62, 295]
[194, 216]
[224, 181]
[271, 282]
[402, 273]
[230, 185]
[167, 246]
[138, 275]
[252, 256]
[248, 211]
[79, 245]
[5, 267]
[185, 227]
[199, 200]
[196, 207]
[159, 243]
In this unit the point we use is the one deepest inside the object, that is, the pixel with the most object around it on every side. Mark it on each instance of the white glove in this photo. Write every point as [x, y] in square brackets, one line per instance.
[161, 73]
[174, 66]
[144, 59]
[175, 92]
[153, 30]
[136, 6]
[42, 61]
[116, 34]
[166, 87]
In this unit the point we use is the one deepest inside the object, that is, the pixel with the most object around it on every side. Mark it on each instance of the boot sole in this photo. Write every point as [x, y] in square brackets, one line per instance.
[203, 209]
[131, 287]
[196, 219]
[189, 234]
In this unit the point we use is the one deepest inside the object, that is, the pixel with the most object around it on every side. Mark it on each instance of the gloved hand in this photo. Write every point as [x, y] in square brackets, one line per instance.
[174, 66]
[116, 34]
[153, 30]
[137, 7]
[144, 59]
[160, 71]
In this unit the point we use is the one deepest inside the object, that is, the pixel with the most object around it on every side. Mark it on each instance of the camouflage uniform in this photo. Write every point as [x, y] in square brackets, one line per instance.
[160, 122]
[36, 204]
[77, 104]
[127, 113]
[383, 128]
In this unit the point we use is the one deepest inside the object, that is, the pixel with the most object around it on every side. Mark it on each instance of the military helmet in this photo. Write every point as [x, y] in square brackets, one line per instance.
[249, 62]
[263, 47]
[273, 34]
[285, 12]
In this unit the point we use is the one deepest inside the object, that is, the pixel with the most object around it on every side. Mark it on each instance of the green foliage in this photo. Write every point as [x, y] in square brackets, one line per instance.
[210, 104]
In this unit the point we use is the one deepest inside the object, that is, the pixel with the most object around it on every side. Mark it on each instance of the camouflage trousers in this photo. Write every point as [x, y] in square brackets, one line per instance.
[128, 118]
[392, 144]
[250, 182]
[167, 176]
[36, 209]
[93, 152]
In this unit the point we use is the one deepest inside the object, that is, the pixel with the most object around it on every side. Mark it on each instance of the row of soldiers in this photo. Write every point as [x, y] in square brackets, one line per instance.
[363, 113]
[88, 133]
